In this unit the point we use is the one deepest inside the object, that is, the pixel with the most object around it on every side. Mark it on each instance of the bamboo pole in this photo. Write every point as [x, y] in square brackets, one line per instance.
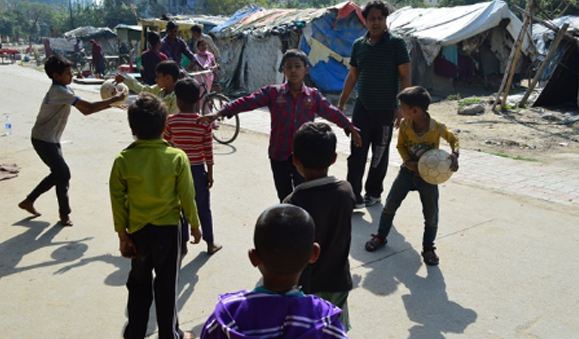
[544, 64]
[513, 58]
[545, 23]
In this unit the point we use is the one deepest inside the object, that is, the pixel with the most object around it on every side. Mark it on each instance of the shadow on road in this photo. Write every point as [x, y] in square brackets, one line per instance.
[397, 264]
[13, 250]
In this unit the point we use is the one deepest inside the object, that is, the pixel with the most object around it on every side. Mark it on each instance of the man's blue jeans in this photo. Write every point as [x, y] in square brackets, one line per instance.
[405, 182]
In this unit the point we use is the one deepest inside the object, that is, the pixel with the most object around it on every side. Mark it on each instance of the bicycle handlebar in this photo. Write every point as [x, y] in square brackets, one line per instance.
[209, 70]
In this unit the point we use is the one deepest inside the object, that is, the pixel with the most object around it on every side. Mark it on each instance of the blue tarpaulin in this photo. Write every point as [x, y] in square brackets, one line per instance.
[256, 38]
[329, 75]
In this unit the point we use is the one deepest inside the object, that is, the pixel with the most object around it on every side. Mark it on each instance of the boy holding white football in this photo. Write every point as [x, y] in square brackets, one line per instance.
[419, 132]
[48, 128]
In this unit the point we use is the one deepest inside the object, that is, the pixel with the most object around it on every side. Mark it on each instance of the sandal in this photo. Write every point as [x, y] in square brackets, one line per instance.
[430, 258]
[376, 242]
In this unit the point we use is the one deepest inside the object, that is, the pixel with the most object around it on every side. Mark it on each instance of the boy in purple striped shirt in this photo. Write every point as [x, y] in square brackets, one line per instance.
[291, 105]
[284, 245]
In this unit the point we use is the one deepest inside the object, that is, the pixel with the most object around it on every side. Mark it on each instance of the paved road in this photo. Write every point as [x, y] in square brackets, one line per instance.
[507, 240]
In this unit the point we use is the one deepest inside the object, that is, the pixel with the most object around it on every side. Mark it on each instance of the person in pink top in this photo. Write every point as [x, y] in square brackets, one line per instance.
[206, 60]
[196, 140]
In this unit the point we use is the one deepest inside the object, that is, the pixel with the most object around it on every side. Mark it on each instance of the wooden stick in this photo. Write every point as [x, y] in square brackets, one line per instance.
[545, 23]
[512, 63]
[545, 62]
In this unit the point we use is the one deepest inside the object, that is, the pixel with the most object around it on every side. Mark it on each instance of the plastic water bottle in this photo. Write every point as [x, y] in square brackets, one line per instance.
[8, 125]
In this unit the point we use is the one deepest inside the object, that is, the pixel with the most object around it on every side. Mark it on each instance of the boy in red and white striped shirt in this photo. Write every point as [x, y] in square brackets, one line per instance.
[183, 131]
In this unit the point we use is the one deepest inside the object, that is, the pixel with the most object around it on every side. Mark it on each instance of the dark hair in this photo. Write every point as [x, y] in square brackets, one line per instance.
[200, 41]
[187, 90]
[196, 28]
[284, 239]
[314, 145]
[147, 116]
[171, 25]
[375, 4]
[56, 64]
[415, 96]
[168, 67]
[154, 38]
[294, 53]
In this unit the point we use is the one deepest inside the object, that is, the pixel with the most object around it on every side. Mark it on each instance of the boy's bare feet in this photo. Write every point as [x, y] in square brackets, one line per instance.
[65, 220]
[29, 207]
[213, 247]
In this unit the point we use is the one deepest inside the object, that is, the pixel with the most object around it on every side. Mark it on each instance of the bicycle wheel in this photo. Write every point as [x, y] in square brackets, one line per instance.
[225, 130]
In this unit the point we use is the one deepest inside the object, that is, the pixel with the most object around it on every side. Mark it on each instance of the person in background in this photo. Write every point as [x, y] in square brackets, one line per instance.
[151, 58]
[207, 60]
[199, 35]
[173, 46]
[98, 58]
[380, 65]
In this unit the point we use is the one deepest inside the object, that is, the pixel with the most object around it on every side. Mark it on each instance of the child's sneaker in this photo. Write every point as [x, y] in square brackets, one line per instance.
[359, 203]
[370, 200]
[430, 258]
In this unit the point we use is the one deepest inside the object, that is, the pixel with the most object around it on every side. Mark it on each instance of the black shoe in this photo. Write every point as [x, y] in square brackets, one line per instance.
[359, 203]
[430, 258]
[370, 200]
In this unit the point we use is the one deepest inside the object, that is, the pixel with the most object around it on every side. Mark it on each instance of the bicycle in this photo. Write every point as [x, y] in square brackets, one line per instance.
[224, 130]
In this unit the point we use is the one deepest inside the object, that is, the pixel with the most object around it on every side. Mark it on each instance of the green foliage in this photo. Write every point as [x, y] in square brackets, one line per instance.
[468, 101]
[28, 20]
[453, 96]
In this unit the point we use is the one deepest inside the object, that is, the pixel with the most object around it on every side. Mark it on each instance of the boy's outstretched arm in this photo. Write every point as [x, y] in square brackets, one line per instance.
[87, 107]
[208, 118]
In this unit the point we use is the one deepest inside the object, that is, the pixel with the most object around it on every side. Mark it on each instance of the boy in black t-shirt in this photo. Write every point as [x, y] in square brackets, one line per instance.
[330, 202]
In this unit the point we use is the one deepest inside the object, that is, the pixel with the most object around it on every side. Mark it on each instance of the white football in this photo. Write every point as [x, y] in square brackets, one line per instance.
[434, 166]
[108, 90]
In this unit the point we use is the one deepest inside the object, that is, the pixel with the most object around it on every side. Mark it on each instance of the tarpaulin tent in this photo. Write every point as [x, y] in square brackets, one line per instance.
[458, 42]
[105, 37]
[562, 73]
[254, 39]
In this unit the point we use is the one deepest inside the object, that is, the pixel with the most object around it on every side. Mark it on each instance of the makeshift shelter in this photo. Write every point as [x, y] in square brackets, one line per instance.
[129, 40]
[459, 43]
[106, 37]
[254, 39]
[562, 73]
[184, 22]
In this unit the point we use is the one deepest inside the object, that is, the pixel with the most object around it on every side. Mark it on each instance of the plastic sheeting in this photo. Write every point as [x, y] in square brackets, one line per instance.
[328, 43]
[542, 36]
[325, 34]
[437, 27]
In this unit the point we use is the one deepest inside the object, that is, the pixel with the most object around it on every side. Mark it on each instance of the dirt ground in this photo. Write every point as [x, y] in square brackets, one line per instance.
[543, 134]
